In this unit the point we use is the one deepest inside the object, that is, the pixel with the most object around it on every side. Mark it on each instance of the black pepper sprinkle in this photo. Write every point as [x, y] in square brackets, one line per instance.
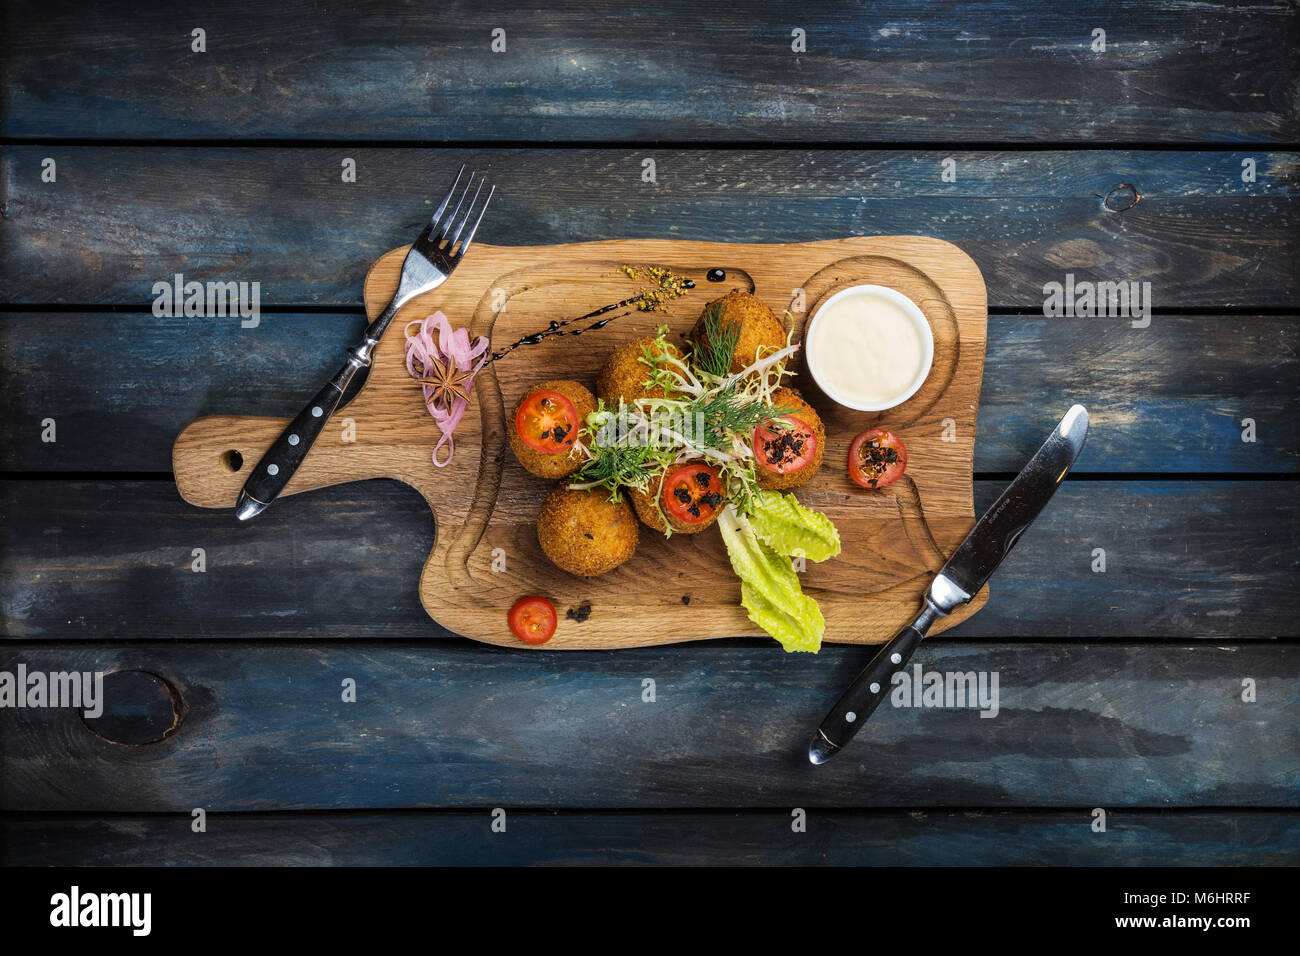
[874, 455]
[686, 599]
[579, 613]
[784, 447]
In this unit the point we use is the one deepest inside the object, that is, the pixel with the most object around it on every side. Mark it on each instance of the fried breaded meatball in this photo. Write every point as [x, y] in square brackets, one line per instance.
[705, 486]
[585, 533]
[558, 462]
[784, 447]
[624, 375]
[759, 327]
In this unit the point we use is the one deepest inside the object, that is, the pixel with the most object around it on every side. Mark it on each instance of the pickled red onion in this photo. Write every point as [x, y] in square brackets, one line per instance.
[453, 345]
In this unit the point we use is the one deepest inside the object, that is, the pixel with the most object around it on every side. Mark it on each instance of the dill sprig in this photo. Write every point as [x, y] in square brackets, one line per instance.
[710, 415]
[619, 464]
[615, 467]
[712, 354]
[728, 412]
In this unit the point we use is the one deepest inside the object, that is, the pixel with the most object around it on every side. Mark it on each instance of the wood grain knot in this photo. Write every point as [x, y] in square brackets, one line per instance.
[139, 708]
[1122, 198]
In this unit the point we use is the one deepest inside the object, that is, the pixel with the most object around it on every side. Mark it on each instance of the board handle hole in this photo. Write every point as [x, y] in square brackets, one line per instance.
[232, 459]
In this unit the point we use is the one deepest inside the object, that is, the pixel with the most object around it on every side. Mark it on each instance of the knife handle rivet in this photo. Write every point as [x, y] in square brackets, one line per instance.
[272, 469]
[893, 658]
[293, 440]
[850, 717]
[875, 688]
[317, 411]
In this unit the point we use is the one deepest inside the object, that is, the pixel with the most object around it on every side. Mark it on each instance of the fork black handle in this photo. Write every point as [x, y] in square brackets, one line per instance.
[428, 263]
[287, 452]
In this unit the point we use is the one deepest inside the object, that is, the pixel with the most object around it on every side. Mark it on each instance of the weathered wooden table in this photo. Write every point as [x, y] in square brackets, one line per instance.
[129, 156]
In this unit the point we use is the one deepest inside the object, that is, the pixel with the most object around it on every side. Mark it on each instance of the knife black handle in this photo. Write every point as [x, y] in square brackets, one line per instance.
[287, 452]
[863, 696]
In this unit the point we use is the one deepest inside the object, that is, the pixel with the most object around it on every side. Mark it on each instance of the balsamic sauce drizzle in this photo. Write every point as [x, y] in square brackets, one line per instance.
[557, 328]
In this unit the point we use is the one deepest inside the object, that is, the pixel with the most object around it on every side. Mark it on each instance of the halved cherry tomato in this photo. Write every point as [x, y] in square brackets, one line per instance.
[784, 445]
[547, 422]
[693, 494]
[532, 619]
[877, 458]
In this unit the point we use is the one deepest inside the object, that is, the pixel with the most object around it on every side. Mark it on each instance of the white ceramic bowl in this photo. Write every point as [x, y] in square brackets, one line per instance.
[910, 309]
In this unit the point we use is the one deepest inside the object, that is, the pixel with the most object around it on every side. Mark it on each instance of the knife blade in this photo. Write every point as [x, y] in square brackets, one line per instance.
[960, 579]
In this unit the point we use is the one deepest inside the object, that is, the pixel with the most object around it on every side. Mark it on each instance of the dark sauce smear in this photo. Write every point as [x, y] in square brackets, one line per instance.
[557, 329]
[717, 275]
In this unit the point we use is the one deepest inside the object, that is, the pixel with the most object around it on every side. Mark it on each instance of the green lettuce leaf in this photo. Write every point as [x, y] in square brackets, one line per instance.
[789, 528]
[798, 628]
[769, 587]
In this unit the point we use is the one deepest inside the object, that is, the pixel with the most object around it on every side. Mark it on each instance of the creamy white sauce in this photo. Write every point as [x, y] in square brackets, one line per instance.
[867, 349]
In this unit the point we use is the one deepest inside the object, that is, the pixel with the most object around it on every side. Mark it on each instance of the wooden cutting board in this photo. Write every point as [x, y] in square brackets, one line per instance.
[486, 554]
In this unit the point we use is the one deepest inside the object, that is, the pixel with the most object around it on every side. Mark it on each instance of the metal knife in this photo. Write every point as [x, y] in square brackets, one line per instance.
[961, 578]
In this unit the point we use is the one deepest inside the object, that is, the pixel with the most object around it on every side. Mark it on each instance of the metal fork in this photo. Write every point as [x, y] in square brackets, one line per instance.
[428, 264]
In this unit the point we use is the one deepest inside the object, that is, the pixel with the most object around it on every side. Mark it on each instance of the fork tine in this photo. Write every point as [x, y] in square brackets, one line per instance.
[444, 228]
[469, 211]
[470, 237]
[433, 221]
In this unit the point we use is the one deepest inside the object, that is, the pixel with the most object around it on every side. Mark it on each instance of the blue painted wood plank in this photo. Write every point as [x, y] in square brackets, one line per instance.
[893, 70]
[1180, 396]
[630, 838]
[445, 724]
[119, 219]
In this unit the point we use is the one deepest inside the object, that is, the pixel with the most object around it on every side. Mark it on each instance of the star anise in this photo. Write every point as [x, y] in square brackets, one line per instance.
[446, 382]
